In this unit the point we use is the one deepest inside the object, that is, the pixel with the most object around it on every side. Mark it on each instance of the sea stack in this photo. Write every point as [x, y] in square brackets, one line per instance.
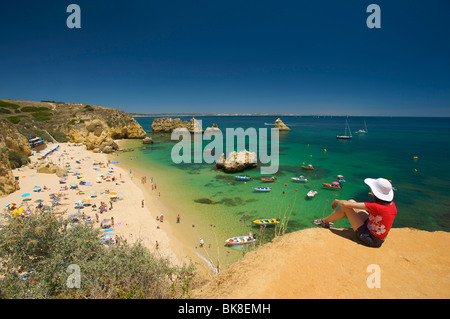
[280, 125]
[237, 161]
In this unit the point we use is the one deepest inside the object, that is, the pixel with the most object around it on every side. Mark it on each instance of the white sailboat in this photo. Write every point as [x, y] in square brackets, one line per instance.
[363, 131]
[345, 136]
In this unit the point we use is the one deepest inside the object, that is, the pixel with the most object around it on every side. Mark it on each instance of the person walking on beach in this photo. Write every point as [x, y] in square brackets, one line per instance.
[370, 221]
[142, 203]
[178, 218]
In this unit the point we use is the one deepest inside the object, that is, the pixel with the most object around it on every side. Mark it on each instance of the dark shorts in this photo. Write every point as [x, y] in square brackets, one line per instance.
[366, 237]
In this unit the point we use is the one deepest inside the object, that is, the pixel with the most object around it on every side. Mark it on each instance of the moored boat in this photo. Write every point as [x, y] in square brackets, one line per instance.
[266, 222]
[311, 193]
[242, 178]
[268, 179]
[334, 185]
[262, 189]
[309, 166]
[299, 179]
[240, 240]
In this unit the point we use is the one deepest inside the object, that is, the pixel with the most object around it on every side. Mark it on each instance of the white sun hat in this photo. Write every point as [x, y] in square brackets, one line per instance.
[381, 188]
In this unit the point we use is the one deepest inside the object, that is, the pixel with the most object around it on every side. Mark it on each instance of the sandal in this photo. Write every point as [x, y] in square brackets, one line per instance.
[320, 222]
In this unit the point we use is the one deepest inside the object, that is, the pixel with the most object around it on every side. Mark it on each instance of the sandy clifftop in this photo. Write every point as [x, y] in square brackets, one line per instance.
[319, 263]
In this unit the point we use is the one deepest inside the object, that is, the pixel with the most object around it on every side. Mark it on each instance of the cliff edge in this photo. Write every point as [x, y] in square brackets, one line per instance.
[319, 263]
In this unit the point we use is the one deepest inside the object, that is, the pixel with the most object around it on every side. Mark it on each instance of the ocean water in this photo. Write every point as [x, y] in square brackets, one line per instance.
[220, 207]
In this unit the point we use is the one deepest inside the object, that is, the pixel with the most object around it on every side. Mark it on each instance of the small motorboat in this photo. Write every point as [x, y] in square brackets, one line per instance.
[240, 240]
[309, 166]
[262, 189]
[300, 179]
[311, 193]
[266, 222]
[334, 185]
[268, 179]
[340, 179]
[242, 178]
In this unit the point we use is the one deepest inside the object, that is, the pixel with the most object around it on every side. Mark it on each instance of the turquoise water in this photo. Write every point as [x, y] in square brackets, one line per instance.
[219, 207]
[388, 151]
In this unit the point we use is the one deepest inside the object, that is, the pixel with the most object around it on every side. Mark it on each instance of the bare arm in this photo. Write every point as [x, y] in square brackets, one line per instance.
[348, 203]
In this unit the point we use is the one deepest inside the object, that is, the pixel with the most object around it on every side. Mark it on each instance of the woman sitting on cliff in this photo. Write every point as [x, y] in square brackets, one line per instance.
[370, 221]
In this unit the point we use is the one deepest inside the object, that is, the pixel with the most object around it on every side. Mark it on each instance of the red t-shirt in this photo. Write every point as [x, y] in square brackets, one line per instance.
[381, 218]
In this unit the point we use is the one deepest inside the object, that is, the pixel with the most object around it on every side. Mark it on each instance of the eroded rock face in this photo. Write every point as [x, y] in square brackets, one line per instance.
[10, 139]
[237, 161]
[168, 124]
[280, 125]
[8, 184]
[98, 135]
[13, 139]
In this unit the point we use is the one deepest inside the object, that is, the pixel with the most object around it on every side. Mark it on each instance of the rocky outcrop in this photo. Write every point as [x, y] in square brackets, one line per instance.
[280, 125]
[168, 124]
[10, 140]
[7, 182]
[237, 161]
[52, 169]
[147, 140]
[13, 139]
[99, 135]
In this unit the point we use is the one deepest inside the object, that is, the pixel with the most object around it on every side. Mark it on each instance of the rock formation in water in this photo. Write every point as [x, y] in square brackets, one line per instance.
[280, 125]
[237, 161]
[147, 140]
[168, 124]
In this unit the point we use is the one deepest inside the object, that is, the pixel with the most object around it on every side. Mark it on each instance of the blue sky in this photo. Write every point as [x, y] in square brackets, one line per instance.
[302, 57]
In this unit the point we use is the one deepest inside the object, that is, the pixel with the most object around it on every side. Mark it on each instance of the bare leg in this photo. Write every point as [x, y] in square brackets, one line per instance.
[357, 218]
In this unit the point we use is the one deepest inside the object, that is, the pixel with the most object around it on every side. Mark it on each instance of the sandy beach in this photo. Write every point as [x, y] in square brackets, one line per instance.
[103, 181]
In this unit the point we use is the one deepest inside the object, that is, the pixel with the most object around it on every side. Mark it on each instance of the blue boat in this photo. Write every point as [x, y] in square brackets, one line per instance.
[262, 189]
[242, 178]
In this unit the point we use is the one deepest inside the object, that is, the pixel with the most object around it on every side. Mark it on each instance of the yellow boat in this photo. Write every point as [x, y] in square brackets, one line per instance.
[266, 222]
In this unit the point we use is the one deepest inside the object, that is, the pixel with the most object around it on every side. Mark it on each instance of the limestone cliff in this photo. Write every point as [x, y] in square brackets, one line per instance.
[10, 140]
[168, 124]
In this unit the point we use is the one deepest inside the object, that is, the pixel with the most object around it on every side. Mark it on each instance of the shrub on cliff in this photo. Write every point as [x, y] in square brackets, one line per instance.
[37, 250]
[17, 160]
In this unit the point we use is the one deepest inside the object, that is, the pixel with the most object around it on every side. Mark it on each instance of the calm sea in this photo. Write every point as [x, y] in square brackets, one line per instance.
[411, 152]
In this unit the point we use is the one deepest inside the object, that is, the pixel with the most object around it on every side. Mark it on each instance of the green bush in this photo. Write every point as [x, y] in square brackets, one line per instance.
[31, 109]
[13, 119]
[8, 105]
[36, 251]
[5, 111]
[59, 136]
[17, 160]
[42, 116]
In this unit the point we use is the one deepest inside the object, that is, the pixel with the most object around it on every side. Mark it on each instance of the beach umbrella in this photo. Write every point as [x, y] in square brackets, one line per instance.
[79, 207]
[112, 193]
[36, 188]
[25, 195]
[11, 205]
[38, 201]
[79, 202]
